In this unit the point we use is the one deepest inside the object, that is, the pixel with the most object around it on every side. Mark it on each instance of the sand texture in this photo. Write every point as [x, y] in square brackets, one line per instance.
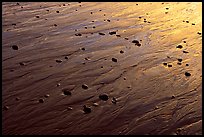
[101, 68]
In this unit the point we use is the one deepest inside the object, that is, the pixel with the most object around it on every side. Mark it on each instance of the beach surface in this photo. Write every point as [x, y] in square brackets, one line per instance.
[102, 68]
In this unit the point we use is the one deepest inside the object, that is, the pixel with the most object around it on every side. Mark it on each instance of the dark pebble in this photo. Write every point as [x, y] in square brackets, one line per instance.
[75, 30]
[103, 97]
[17, 4]
[138, 44]
[57, 11]
[173, 96]
[22, 63]
[179, 46]
[58, 84]
[92, 21]
[94, 27]
[46, 95]
[187, 64]
[66, 57]
[121, 51]
[180, 60]
[37, 16]
[118, 35]
[91, 12]
[84, 86]
[55, 25]
[199, 33]
[193, 23]
[140, 17]
[85, 27]
[124, 78]
[14, 24]
[108, 20]
[101, 33]
[79, 34]
[187, 74]
[145, 21]
[21, 6]
[126, 39]
[179, 63]
[167, 8]
[187, 21]
[169, 65]
[41, 100]
[136, 4]
[15, 47]
[135, 41]
[165, 64]
[184, 41]
[82, 48]
[166, 12]
[100, 10]
[113, 32]
[66, 92]
[101, 66]
[86, 109]
[63, 4]
[59, 61]
[114, 100]
[114, 60]
[6, 107]
[17, 98]
[148, 22]
[104, 14]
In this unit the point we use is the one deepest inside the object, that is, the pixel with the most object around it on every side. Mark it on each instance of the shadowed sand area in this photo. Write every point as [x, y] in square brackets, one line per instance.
[102, 68]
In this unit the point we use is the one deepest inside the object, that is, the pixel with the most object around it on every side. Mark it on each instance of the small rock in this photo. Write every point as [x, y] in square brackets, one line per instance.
[193, 23]
[108, 20]
[15, 47]
[95, 104]
[126, 39]
[145, 21]
[22, 63]
[84, 86]
[55, 25]
[17, 98]
[156, 107]
[187, 74]
[46, 95]
[14, 24]
[66, 92]
[86, 109]
[114, 60]
[104, 97]
[114, 100]
[180, 60]
[59, 61]
[113, 32]
[37, 16]
[58, 84]
[66, 57]
[101, 33]
[82, 48]
[173, 96]
[41, 100]
[57, 11]
[79, 34]
[87, 58]
[17, 3]
[69, 108]
[199, 33]
[76, 10]
[140, 17]
[187, 21]
[138, 44]
[179, 63]
[167, 8]
[101, 66]
[135, 41]
[187, 64]
[6, 107]
[165, 64]
[47, 10]
[63, 4]
[185, 51]
[121, 51]
[124, 78]
[169, 65]
[94, 27]
[91, 12]
[118, 35]
[179, 46]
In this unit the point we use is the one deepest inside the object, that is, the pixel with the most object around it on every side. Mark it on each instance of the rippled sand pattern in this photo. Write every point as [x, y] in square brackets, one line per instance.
[102, 68]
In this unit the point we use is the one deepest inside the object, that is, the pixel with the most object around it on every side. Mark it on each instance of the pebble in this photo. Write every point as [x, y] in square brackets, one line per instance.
[184, 41]
[37, 16]
[86, 109]
[113, 32]
[114, 100]
[180, 60]
[85, 27]
[17, 4]
[104, 97]
[58, 84]
[118, 35]
[101, 33]
[187, 21]
[57, 11]
[187, 64]
[84, 86]
[22, 63]
[17, 98]
[101, 66]
[126, 39]
[69, 108]
[165, 64]
[6, 107]
[91, 12]
[187, 74]
[179, 63]
[167, 8]
[41, 100]
[156, 107]
[59, 61]
[179, 46]
[66, 57]
[185, 51]
[135, 41]
[199, 33]
[169, 65]
[63, 4]
[66, 92]
[114, 60]
[15, 47]
[95, 104]
[108, 20]
[193, 23]
[14, 24]
[124, 78]
[173, 96]
[82, 48]
[121, 51]
[140, 17]
[87, 58]
[46, 95]
[55, 25]
[79, 34]
[47, 10]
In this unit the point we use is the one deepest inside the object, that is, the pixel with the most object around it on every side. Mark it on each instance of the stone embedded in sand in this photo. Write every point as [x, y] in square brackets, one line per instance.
[185, 51]
[47, 10]
[187, 64]
[55, 25]
[66, 92]
[14, 24]
[17, 3]
[179, 46]
[46, 95]
[76, 10]
[86, 109]
[82, 48]
[87, 58]
[145, 21]
[138, 44]
[169, 65]
[104, 97]
[37, 16]
[114, 60]
[84, 86]
[66, 57]
[91, 12]
[187, 74]
[59, 61]
[17, 98]
[95, 104]
[57, 11]
[101, 33]
[121, 51]
[101, 66]
[124, 78]
[94, 27]
[179, 63]
[41, 100]
[85, 27]
[104, 14]
[180, 60]
[140, 17]
[165, 64]
[114, 100]
[199, 33]
[118, 35]
[135, 41]
[69, 108]
[112, 33]
[126, 39]
[58, 84]
[63, 4]
[156, 107]
[148, 22]
[187, 21]
[15, 47]
[193, 23]
[108, 20]
[136, 4]
[173, 96]
[22, 63]
[167, 8]
[79, 34]
[6, 108]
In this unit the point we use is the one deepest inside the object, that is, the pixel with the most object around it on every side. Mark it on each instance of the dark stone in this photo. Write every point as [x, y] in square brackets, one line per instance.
[184, 41]
[138, 44]
[140, 17]
[173, 96]
[6, 107]
[126, 39]
[66, 57]
[179, 46]
[136, 4]
[104, 97]
[22, 63]
[17, 98]
[57, 11]
[199, 33]
[145, 21]
[114, 100]
[118, 35]
[79, 34]
[114, 60]
[63, 4]
[187, 64]
[17, 3]
[101, 33]
[187, 74]
[15, 47]
[14, 24]
[187, 21]
[121, 51]
[37, 16]
[180, 60]
[135, 41]
[76, 10]
[91, 12]
[108, 20]
[193, 23]
[59, 61]
[165, 64]
[46, 95]
[113, 32]
[41, 100]
[84, 86]
[167, 8]
[82, 48]
[55, 25]
[85, 27]
[94, 27]
[66, 92]
[101, 66]
[169, 65]
[179, 63]
[86, 109]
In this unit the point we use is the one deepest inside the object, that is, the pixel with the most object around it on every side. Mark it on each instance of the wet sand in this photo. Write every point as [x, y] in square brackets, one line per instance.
[102, 68]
